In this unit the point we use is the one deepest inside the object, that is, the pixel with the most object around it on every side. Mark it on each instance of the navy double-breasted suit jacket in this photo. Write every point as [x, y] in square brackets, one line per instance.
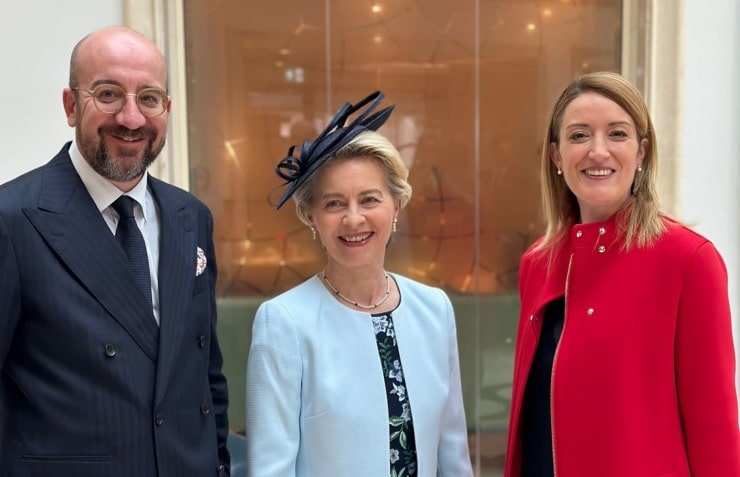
[90, 386]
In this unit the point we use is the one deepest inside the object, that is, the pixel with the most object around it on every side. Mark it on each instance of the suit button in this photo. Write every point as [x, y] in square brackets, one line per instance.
[204, 409]
[159, 419]
[202, 341]
[110, 350]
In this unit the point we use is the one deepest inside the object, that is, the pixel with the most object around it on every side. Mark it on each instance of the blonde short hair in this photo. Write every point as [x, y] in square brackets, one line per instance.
[366, 144]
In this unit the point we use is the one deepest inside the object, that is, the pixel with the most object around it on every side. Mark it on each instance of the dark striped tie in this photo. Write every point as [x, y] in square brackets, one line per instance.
[130, 238]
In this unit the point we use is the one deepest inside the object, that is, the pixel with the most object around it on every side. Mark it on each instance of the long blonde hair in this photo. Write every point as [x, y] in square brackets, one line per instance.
[640, 221]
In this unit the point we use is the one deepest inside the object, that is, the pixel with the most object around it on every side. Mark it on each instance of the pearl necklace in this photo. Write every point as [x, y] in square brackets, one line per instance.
[360, 305]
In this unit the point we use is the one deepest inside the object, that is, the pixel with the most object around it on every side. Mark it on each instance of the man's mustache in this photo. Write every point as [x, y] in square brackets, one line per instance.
[125, 133]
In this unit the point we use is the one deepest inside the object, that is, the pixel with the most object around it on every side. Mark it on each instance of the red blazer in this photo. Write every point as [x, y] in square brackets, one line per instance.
[643, 382]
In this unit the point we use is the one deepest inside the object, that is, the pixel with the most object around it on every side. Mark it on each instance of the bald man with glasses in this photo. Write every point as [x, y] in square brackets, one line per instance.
[110, 364]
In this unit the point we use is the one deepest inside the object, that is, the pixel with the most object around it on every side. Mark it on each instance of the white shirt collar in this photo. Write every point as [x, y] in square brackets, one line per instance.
[102, 191]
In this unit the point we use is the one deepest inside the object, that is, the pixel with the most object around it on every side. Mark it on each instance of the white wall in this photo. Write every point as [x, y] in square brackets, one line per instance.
[710, 169]
[37, 38]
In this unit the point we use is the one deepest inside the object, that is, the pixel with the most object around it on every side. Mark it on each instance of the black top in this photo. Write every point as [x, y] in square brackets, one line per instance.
[537, 460]
[403, 461]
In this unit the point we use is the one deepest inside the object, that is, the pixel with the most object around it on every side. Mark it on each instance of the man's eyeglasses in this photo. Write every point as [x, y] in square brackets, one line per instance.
[111, 98]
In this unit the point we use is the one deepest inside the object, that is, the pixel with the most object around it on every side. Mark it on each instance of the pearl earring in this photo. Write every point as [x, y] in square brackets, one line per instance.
[313, 233]
[639, 168]
[560, 173]
[395, 221]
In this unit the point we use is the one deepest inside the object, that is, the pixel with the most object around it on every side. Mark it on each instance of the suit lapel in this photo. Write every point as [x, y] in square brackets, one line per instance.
[177, 260]
[71, 224]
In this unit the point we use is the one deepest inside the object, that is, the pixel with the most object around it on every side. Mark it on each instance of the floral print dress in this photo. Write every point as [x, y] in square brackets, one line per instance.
[401, 430]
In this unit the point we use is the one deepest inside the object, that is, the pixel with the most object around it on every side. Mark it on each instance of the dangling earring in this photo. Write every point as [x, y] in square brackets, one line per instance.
[313, 233]
[560, 173]
[395, 221]
[639, 168]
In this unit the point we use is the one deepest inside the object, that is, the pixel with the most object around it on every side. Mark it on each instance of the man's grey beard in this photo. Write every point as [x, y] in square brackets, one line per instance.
[99, 158]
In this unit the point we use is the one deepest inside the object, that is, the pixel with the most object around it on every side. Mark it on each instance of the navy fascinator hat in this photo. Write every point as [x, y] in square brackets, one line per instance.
[312, 154]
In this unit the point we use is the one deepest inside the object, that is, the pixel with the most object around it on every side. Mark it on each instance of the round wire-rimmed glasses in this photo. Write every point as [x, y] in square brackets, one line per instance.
[111, 98]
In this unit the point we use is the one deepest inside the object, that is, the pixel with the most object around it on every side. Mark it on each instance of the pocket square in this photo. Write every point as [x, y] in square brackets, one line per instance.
[201, 262]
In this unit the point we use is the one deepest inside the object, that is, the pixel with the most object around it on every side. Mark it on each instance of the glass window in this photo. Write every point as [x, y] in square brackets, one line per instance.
[472, 81]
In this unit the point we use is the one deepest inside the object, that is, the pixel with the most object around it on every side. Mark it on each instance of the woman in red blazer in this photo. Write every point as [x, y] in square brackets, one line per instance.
[624, 363]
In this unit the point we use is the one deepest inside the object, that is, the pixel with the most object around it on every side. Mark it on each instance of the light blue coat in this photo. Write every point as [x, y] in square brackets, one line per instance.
[316, 401]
